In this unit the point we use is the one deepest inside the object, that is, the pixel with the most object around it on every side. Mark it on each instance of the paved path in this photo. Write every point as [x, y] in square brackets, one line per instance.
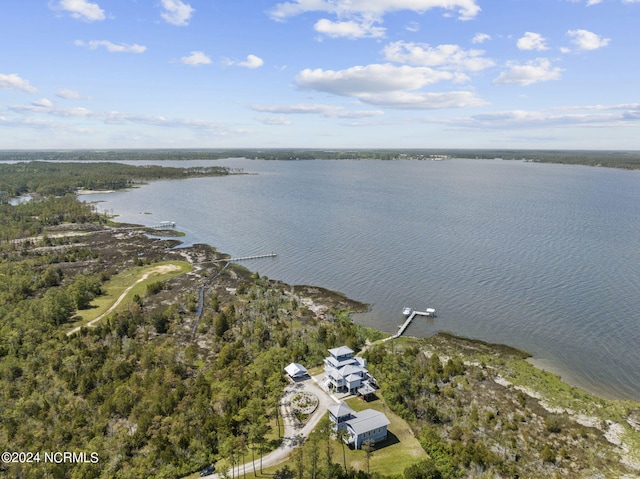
[293, 434]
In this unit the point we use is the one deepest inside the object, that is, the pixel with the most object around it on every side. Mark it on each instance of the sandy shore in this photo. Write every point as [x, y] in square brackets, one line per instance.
[93, 192]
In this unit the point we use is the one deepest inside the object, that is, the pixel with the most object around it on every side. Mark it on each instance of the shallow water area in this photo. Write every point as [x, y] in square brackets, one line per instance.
[541, 257]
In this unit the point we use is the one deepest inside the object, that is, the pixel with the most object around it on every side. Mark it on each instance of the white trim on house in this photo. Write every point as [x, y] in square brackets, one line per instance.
[343, 371]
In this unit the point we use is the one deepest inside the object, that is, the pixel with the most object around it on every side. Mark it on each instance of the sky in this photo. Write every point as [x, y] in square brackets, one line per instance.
[541, 74]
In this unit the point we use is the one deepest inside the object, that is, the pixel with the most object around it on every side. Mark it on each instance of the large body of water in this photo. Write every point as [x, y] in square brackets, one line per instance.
[542, 257]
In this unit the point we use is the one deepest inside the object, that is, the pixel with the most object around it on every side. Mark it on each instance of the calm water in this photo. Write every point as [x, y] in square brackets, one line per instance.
[541, 257]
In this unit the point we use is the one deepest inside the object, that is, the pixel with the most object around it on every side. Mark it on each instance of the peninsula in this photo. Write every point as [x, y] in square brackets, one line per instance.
[137, 391]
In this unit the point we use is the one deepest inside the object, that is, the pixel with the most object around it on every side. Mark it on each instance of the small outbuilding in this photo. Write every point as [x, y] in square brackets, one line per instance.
[296, 371]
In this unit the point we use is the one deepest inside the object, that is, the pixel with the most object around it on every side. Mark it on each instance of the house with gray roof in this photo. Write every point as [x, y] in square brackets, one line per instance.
[345, 372]
[339, 414]
[296, 371]
[367, 425]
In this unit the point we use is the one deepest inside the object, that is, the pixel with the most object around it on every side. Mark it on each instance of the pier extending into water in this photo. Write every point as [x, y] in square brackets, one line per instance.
[230, 260]
[430, 313]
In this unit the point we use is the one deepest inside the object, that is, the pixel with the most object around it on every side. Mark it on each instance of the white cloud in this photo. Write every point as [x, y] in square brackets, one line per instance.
[43, 102]
[413, 27]
[387, 85]
[586, 40]
[369, 78]
[176, 12]
[535, 71]
[112, 117]
[448, 57]
[466, 9]
[480, 38]
[111, 47]
[81, 9]
[409, 100]
[13, 81]
[349, 29]
[252, 61]
[329, 111]
[532, 41]
[196, 58]
[544, 119]
[68, 94]
[275, 121]
[620, 106]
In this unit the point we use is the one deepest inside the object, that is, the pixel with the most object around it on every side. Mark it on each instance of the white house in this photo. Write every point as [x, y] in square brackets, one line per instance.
[367, 425]
[345, 372]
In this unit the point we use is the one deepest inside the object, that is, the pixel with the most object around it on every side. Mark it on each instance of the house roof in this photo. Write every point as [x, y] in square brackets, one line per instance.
[341, 351]
[295, 370]
[340, 410]
[352, 369]
[333, 362]
[367, 420]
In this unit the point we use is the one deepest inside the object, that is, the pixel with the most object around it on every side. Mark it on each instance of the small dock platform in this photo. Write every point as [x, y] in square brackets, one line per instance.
[430, 313]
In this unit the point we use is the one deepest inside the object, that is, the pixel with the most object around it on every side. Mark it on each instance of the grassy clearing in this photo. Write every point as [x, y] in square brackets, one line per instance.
[393, 456]
[116, 286]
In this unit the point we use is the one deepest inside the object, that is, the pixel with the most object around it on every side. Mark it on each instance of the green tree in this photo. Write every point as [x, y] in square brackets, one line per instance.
[368, 448]
[342, 435]
[425, 469]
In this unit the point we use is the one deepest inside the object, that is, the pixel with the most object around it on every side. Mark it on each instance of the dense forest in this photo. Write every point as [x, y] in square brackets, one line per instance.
[49, 178]
[605, 158]
[136, 390]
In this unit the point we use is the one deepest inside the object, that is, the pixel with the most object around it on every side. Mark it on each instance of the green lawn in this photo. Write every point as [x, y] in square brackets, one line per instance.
[393, 456]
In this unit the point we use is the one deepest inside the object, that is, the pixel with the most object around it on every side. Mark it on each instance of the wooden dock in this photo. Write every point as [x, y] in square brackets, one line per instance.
[164, 225]
[231, 260]
[429, 313]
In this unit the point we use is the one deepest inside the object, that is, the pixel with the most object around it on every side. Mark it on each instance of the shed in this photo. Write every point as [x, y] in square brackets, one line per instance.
[295, 370]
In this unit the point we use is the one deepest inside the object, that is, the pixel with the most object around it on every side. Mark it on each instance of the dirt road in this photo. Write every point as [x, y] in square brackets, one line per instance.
[164, 268]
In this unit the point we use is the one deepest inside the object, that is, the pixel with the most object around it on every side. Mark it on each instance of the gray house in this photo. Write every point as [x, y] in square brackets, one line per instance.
[367, 425]
[339, 414]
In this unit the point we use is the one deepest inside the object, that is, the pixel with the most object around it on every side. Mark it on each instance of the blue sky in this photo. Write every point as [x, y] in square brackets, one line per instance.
[320, 74]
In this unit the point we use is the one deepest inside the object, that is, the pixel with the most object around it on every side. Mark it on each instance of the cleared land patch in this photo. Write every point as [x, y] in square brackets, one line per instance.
[127, 284]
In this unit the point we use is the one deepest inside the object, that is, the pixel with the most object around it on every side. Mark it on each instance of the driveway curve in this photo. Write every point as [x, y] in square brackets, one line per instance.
[294, 435]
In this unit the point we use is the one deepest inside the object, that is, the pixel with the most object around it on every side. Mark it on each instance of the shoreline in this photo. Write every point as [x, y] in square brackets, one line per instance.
[319, 294]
